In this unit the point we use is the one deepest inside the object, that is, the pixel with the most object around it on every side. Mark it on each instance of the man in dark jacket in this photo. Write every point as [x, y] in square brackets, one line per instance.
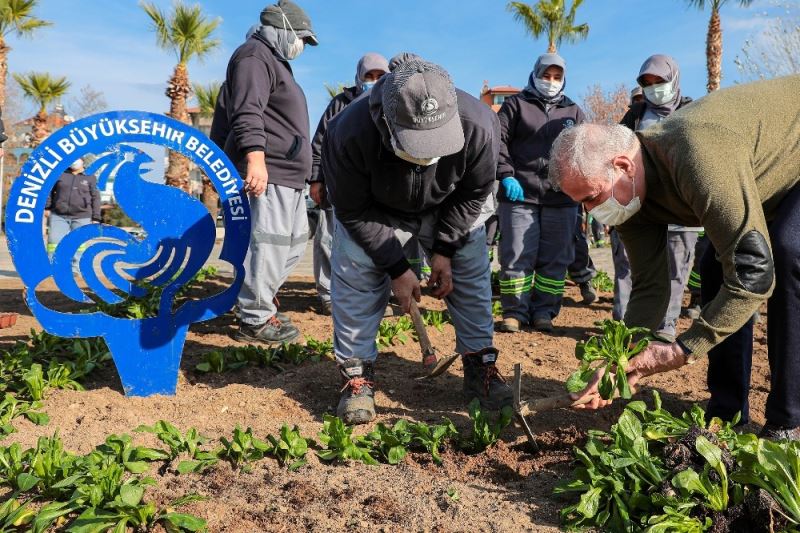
[74, 202]
[369, 70]
[268, 128]
[415, 158]
[537, 224]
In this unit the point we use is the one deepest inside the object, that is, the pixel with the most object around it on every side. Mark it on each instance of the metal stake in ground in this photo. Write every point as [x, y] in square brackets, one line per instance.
[523, 409]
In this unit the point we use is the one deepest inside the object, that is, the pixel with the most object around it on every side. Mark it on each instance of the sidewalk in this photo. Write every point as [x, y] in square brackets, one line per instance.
[600, 256]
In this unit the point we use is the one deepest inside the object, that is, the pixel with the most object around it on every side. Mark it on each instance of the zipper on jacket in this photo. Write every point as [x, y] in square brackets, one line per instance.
[418, 186]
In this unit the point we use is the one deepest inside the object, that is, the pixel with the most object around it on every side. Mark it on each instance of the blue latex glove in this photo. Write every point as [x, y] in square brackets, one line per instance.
[513, 189]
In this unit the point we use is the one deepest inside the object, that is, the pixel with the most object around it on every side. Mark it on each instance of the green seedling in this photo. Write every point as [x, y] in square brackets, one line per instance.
[391, 333]
[774, 467]
[497, 308]
[391, 443]
[485, 432]
[243, 448]
[437, 319]
[318, 348]
[432, 438]
[715, 494]
[610, 352]
[340, 445]
[11, 408]
[602, 282]
[290, 448]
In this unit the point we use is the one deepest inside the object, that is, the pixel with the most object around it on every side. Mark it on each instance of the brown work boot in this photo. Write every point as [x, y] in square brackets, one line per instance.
[509, 325]
[357, 402]
[543, 324]
[777, 433]
[482, 380]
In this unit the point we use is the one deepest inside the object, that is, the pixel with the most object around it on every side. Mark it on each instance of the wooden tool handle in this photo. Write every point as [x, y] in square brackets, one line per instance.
[553, 402]
[419, 327]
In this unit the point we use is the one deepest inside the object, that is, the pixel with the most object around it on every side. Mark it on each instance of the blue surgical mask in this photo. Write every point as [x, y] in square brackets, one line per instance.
[367, 85]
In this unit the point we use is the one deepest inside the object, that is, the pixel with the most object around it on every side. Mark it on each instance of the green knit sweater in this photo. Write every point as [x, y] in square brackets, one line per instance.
[724, 162]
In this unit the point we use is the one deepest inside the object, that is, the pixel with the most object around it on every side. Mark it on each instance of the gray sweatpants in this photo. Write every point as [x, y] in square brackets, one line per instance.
[535, 250]
[323, 241]
[680, 254]
[361, 291]
[279, 231]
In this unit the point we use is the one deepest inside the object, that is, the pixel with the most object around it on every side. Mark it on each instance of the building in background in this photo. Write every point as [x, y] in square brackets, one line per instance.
[495, 96]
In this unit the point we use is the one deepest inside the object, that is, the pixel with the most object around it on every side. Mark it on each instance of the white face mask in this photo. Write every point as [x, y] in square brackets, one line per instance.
[548, 88]
[612, 213]
[294, 45]
[660, 93]
[405, 156]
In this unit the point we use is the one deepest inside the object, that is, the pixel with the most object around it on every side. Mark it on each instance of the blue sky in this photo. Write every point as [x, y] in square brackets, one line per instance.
[108, 44]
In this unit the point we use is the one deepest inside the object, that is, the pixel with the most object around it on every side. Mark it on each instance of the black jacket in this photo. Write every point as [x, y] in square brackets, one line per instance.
[219, 123]
[75, 196]
[336, 105]
[635, 113]
[366, 180]
[528, 130]
[267, 110]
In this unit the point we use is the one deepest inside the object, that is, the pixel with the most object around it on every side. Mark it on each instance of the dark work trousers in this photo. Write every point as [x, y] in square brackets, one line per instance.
[730, 362]
[582, 268]
[535, 251]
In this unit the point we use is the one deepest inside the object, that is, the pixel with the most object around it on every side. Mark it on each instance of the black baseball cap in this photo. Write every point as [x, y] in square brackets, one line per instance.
[298, 19]
[421, 108]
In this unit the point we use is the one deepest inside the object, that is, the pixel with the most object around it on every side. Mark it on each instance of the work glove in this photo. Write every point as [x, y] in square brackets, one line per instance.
[513, 189]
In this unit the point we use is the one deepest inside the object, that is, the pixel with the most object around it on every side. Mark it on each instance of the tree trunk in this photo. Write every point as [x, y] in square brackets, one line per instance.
[551, 44]
[714, 51]
[178, 91]
[40, 130]
[210, 197]
[4, 50]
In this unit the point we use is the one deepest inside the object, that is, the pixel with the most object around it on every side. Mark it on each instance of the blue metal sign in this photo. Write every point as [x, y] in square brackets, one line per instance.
[179, 235]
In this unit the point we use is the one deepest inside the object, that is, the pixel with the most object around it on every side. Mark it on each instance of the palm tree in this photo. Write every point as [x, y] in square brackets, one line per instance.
[16, 17]
[186, 31]
[714, 39]
[206, 96]
[551, 17]
[334, 90]
[43, 89]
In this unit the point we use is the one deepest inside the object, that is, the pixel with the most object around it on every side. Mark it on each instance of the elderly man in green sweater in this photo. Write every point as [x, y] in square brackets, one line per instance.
[731, 164]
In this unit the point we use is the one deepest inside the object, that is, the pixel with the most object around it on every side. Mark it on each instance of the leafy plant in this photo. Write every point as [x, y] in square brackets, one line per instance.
[319, 348]
[603, 282]
[391, 443]
[715, 493]
[485, 432]
[290, 448]
[180, 444]
[391, 333]
[340, 445]
[434, 318]
[773, 467]
[11, 408]
[432, 438]
[612, 351]
[497, 308]
[243, 448]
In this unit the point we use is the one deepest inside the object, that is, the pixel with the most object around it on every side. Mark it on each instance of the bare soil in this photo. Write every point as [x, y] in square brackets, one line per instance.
[507, 488]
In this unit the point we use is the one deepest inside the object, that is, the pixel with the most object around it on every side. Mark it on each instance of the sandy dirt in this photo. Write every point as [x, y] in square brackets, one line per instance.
[508, 488]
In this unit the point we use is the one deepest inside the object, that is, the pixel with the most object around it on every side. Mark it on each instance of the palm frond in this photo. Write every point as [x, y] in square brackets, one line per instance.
[16, 16]
[41, 87]
[206, 96]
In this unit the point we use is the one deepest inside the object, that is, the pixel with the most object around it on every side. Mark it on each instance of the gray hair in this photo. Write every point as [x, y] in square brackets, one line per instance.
[588, 150]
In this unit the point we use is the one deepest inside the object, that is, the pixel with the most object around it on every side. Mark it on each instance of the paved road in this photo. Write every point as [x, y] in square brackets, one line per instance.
[600, 256]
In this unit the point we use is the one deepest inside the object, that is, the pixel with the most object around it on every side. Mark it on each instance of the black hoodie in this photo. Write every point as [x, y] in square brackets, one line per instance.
[528, 130]
[267, 111]
[336, 105]
[366, 181]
